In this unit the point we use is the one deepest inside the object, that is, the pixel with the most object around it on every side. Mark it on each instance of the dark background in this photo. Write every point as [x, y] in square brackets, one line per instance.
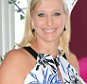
[78, 43]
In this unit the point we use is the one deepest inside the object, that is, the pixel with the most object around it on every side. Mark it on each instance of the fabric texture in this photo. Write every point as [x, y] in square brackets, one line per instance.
[45, 71]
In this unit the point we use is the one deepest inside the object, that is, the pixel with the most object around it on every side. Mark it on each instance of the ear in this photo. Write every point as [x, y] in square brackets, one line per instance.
[67, 23]
[32, 23]
[67, 17]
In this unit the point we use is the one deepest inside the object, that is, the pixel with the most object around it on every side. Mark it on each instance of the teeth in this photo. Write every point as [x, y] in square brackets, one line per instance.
[48, 30]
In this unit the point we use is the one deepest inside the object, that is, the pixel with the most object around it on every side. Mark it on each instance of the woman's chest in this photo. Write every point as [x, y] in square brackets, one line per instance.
[46, 72]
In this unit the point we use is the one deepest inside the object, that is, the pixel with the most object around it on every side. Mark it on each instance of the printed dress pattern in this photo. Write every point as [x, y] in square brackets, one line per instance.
[45, 71]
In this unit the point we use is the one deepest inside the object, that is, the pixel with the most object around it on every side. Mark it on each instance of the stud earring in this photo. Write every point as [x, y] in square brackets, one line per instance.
[64, 28]
[33, 30]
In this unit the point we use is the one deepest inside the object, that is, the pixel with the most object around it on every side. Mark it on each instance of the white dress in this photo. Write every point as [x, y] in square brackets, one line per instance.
[45, 71]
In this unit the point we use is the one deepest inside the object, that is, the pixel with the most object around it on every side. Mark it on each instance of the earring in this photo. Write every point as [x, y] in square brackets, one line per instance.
[33, 30]
[64, 28]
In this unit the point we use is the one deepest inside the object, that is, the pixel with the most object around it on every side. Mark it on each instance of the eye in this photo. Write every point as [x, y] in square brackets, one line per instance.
[56, 14]
[41, 14]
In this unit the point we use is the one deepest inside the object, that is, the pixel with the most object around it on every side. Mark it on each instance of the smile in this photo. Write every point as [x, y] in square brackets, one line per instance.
[49, 30]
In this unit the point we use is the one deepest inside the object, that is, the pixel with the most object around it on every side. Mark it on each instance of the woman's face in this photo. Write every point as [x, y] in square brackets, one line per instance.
[49, 20]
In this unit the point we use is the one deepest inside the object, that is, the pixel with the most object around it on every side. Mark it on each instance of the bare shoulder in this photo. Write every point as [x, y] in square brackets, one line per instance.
[15, 67]
[73, 60]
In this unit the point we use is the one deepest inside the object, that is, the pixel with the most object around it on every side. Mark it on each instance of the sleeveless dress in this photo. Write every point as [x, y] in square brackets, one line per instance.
[45, 70]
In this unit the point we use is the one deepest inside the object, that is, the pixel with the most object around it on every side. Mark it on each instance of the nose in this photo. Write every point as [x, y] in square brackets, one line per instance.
[50, 21]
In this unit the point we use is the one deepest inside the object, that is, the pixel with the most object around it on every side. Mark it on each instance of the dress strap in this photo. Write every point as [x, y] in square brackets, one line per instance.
[35, 54]
[64, 55]
[31, 51]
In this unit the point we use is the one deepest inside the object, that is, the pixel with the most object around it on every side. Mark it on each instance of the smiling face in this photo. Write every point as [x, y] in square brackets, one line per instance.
[49, 20]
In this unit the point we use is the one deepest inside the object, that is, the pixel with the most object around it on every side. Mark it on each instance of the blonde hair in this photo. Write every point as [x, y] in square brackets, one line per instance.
[29, 36]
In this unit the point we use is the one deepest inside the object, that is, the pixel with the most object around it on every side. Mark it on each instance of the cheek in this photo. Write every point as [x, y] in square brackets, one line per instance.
[60, 26]
[60, 23]
[38, 23]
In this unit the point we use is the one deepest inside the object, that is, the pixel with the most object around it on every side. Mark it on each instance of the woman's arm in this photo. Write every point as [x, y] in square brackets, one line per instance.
[12, 68]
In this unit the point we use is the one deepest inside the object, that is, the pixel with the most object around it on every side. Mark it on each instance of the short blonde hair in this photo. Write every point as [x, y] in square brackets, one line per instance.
[29, 36]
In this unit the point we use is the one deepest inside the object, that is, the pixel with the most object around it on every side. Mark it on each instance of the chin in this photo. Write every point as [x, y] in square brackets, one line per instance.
[50, 40]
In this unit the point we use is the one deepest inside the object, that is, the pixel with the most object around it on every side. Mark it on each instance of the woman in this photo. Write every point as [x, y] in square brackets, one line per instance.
[44, 57]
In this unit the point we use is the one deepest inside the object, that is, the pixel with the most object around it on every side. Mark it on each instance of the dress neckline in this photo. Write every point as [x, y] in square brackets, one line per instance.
[35, 54]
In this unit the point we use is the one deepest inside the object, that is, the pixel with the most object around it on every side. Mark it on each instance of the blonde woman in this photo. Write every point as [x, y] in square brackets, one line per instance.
[43, 56]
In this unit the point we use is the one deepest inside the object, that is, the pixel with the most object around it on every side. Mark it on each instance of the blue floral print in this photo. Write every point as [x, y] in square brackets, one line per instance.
[45, 71]
[47, 79]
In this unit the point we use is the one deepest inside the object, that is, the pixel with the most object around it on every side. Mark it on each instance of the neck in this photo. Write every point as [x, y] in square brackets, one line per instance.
[46, 47]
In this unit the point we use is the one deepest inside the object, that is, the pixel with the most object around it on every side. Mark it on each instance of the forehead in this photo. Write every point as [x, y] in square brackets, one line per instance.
[50, 5]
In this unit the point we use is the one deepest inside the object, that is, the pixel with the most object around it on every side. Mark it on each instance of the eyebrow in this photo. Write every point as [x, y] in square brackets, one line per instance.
[52, 11]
